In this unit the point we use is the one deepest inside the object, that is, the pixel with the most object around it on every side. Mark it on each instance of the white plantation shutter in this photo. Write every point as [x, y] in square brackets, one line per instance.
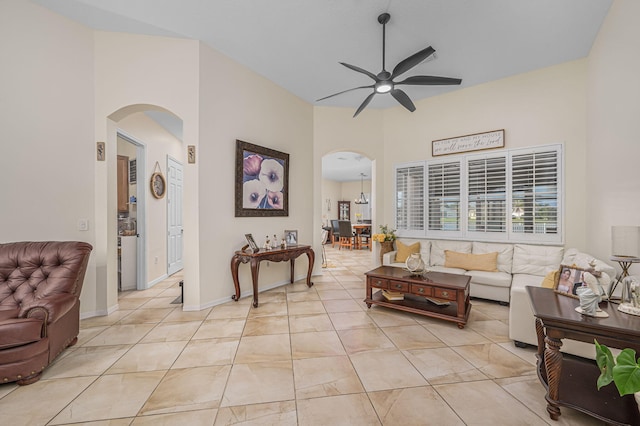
[487, 194]
[410, 197]
[444, 196]
[508, 195]
[535, 192]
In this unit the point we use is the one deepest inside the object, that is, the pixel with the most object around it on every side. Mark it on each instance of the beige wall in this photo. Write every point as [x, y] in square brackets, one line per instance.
[613, 127]
[332, 191]
[48, 152]
[236, 103]
[542, 107]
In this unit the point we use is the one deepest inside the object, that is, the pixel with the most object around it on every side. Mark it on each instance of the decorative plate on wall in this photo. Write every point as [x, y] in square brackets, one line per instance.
[158, 185]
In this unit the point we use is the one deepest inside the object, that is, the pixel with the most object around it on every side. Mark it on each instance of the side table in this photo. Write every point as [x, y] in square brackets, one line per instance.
[276, 255]
[571, 381]
[625, 263]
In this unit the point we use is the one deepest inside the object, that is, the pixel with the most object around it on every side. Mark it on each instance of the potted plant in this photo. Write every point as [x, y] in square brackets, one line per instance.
[385, 237]
[624, 371]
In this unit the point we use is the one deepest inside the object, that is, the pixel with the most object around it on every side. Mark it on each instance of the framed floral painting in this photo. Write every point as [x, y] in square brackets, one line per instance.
[262, 181]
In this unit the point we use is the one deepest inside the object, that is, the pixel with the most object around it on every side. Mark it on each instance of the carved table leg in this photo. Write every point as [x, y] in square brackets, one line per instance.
[292, 264]
[312, 257]
[255, 268]
[235, 262]
[553, 366]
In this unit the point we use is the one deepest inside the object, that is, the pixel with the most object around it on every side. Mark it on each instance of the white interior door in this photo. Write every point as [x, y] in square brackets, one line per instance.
[174, 216]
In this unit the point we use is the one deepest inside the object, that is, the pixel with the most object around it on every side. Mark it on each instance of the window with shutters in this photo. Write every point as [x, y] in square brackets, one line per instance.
[487, 194]
[444, 196]
[534, 193]
[508, 195]
[410, 198]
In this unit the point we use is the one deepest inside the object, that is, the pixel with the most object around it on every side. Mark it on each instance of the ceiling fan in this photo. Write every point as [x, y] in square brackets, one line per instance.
[384, 79]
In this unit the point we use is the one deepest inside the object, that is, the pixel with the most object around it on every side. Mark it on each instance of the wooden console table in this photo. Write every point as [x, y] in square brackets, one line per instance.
[275, 255]
[571, 381]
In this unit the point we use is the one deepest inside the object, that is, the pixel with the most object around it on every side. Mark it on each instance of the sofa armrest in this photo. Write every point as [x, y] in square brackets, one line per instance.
[389, 257]
[52, 308]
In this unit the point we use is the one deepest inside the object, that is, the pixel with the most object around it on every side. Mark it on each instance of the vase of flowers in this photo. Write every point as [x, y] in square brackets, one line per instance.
[385, 237]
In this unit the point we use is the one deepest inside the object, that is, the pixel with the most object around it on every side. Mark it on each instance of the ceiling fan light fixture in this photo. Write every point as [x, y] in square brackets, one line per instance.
[384, 87]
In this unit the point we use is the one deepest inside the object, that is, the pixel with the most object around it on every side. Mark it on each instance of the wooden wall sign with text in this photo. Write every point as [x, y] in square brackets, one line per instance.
[475, 142]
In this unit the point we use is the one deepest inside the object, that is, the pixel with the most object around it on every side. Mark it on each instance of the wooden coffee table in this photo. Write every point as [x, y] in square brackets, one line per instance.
[449, 291]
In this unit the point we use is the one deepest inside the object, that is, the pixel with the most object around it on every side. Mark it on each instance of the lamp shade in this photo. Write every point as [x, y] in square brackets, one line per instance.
[625, 241]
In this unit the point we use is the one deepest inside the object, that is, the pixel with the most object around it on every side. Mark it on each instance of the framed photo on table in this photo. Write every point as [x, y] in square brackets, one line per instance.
[291, 237]
[252, 243]
[569, 279]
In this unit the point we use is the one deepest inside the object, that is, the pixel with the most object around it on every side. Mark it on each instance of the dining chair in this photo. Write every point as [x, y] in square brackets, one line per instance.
[347, 237]
[365, 238]
[335, 232]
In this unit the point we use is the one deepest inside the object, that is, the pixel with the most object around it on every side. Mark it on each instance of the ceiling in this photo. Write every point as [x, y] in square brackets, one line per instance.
[298, 44]
[346, 167]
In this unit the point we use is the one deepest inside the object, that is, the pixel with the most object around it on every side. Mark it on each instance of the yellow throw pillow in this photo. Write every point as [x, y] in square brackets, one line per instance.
[550, 280]
[404, 251]
[471, 262]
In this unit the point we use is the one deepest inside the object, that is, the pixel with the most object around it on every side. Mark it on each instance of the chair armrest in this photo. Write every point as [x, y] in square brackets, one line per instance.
[389, 257]
[50, 309]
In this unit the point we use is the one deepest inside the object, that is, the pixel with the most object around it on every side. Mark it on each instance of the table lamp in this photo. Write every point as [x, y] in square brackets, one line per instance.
[625, 241]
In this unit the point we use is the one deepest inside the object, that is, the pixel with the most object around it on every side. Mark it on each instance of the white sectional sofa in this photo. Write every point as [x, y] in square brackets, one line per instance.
[519, 265]
[522, 329]
[523, 263]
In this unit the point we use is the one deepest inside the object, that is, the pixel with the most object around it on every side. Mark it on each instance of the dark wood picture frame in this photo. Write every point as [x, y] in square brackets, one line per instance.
[262, 181]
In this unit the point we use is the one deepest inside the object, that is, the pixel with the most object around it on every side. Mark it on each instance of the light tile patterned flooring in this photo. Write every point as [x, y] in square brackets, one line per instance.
[305, 356]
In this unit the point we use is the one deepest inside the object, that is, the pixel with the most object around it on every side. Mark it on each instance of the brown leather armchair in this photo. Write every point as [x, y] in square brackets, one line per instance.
[40, 285]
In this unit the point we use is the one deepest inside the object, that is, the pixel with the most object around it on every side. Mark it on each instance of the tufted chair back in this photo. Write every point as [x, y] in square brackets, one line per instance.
[40, 285]
[34, 271]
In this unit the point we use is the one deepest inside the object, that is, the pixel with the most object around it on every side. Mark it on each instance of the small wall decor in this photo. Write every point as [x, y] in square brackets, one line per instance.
[474, 142]
[191, 154]
[291, 237]
[100, 151]
[262, 181]
[133, 171]
[158, 183]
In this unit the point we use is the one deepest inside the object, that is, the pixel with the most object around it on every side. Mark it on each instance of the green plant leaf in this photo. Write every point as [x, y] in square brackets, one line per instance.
[626, 373]
[604, 359]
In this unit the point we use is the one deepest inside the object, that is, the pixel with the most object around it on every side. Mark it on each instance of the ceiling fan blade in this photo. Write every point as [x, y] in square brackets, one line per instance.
[412, 61]
[404, 100]
[358, 69]
[364, 104]
[430, 80]
[345, 91]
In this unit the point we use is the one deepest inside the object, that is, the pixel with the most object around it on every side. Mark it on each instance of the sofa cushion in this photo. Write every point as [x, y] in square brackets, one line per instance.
[456, 271]
[550, 279]
[495, 279]
[439, 246]
[582, 260]
[505, 254]
[536, 260]
[469, 261]
[19, 331]
[404, 250]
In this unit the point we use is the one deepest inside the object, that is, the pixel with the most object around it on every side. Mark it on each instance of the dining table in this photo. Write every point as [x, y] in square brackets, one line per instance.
[359, 229]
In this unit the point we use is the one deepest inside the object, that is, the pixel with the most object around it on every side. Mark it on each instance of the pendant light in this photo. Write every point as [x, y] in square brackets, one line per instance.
[362, 199]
